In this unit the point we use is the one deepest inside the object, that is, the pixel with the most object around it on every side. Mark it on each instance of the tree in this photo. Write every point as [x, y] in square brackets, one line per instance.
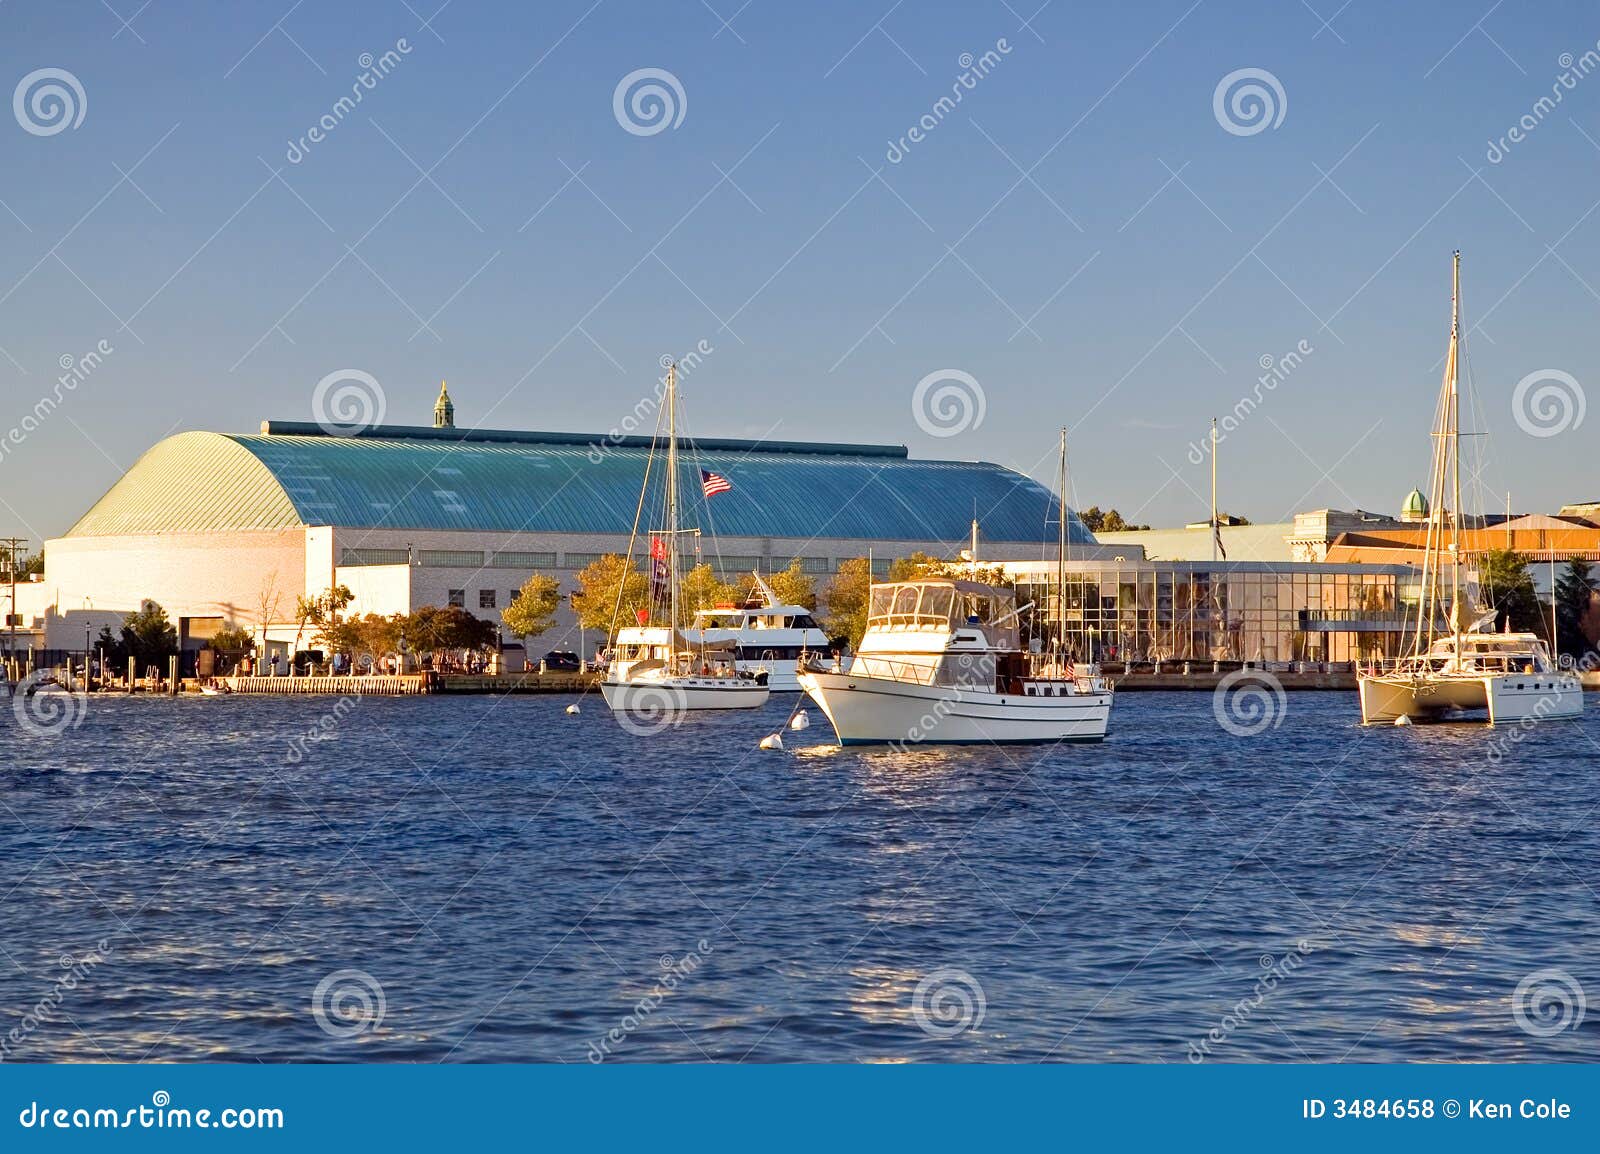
[1577, 610]
[596, 601]
[116, 653]
[533, 610]
[1108, 522]
[846, 599]
[148, 637]
[701, 588]
[268, 600]
[794, 586]
[917, 566]
[1508, 588]
[232, 639]
[323, 612]
[432, 629]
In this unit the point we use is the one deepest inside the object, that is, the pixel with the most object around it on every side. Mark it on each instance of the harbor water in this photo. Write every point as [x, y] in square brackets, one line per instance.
[492, 879]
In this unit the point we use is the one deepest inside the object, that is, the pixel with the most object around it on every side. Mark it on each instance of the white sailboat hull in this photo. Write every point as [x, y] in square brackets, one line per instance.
[1506, 697]
[880, 710]
[672, 695]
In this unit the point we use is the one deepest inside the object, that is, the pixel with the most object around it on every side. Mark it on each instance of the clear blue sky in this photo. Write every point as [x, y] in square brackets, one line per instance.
[757, 225]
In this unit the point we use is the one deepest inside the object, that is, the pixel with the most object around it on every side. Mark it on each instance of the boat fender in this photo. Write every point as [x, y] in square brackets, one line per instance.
[573, 710]
[772, 741]
[800, 721]
[1402, 720]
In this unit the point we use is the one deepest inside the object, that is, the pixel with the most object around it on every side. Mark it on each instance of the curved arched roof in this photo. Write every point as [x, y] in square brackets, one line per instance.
[558, 483]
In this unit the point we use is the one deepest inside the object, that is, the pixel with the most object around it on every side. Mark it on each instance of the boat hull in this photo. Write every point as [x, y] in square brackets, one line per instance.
[669, 696]
[1506, 697]
[879, 711]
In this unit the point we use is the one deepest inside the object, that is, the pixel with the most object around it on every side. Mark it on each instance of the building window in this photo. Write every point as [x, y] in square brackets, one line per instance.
[582, 560]
[485, 598]
[512, 560]
[814, 565]
[374, 557]
[458, 598]
[451, 558]
[511, 597]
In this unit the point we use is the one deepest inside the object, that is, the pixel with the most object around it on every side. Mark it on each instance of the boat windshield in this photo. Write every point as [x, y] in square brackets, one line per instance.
[936, 605]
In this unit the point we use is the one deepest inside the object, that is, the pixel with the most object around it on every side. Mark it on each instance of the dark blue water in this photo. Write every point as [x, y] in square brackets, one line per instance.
[512, 879]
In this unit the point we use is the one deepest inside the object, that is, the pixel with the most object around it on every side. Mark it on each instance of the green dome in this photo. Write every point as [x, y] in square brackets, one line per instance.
[1415, 507]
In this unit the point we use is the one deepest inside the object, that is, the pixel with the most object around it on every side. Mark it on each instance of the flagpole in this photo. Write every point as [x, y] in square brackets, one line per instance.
[1215, 529]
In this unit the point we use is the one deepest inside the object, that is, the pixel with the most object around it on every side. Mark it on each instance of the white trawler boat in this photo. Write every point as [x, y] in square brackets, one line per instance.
[941, 663]
[681, 674]
[1509, 675]
[768, 638]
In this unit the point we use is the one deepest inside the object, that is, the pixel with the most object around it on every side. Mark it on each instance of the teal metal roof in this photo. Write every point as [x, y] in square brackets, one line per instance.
[560, 483]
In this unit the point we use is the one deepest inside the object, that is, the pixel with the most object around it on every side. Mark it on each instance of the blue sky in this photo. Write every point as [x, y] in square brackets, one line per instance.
[1081, 235]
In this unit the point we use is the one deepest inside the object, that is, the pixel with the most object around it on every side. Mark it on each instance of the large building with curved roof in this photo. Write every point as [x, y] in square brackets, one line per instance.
[230, 528]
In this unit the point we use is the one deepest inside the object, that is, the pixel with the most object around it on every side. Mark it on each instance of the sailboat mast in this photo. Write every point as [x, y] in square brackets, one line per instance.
[1061, 549]
[672, 506]
[1453, 447]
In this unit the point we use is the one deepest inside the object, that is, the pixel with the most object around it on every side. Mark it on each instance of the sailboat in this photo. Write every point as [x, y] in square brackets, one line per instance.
[1464, 667]
[941, 663]
[679, 675]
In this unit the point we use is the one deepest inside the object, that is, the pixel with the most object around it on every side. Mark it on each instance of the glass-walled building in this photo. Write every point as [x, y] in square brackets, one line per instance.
[1219, 611]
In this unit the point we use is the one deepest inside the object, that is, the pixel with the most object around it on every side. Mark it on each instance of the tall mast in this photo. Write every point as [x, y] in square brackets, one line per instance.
[1061, 550]
[672, 506]
[1453, 447]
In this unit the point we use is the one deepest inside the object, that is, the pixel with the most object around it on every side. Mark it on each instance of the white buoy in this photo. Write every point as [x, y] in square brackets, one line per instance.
[573, 709]
[772, 741]
[1402, 720]
[800, 721]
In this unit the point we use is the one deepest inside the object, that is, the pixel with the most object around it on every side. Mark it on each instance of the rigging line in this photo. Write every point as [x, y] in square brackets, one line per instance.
[633, 534]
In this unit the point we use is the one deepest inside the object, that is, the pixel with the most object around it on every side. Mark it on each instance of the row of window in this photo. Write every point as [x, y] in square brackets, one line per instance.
[487, 598]
[478, 559]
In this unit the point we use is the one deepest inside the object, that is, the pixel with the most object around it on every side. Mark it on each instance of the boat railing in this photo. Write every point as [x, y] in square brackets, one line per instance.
[912, 671]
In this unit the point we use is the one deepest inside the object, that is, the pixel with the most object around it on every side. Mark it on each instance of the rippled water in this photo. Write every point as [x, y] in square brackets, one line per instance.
[513, 878]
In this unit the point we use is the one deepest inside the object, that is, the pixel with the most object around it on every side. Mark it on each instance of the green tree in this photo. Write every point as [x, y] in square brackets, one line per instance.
[116, 653]
[794, 586]
[701, 588]
[845, 598]
[1577, 610]
[533, 610]
[232, 639]
[596, 599]
[1109, 521]
[1508, 588]
[322, 611]
[918, 566]
[148, 637]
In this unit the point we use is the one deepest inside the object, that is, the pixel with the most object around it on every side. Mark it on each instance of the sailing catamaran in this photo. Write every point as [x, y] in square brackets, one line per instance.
[1467, 667]
[680, 675]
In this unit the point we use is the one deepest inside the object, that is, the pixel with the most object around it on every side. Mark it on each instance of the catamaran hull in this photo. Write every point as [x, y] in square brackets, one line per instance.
[1507, 697]
[877, 710]
[679, 695]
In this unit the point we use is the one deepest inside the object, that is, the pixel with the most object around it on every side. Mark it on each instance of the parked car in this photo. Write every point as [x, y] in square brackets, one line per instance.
[562, 661]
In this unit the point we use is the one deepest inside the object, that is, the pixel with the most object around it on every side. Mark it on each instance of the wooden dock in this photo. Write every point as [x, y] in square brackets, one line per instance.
[382, 685]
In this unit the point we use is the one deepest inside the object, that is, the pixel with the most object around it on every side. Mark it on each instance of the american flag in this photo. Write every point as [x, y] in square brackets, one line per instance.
[713, 483]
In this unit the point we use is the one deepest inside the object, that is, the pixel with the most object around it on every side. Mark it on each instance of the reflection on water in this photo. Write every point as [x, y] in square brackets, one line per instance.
[500, 881]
